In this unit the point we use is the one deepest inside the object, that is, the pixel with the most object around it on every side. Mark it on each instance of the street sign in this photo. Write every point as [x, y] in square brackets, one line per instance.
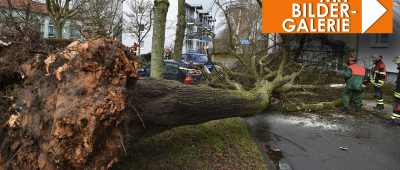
[245, 42]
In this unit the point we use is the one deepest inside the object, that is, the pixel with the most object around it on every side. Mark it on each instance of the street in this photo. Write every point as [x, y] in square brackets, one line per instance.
[328, 141]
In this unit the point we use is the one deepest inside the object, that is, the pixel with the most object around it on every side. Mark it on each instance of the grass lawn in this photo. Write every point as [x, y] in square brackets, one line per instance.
[220, 144]
[388, 90]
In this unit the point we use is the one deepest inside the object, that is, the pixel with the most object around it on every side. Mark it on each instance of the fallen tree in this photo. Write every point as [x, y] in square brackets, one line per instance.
[85, 105]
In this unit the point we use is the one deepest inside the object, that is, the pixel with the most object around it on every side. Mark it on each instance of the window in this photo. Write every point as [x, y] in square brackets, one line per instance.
[184, 57]
[380, 41]
[202, 58]
[142, 44]
[170, 68]
[141, 27]
[51, 31]
[190, 58]
[74, 31]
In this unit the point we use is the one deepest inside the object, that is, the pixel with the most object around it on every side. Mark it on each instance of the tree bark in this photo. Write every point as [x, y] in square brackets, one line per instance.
[312, 107]
[157, 60]
[179, 104]
[58, 29]
[180, 30]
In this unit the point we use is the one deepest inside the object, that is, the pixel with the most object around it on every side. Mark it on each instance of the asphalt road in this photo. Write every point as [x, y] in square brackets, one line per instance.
[326, 141]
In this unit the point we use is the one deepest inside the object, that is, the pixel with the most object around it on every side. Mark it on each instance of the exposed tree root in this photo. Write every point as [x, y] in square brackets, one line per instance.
[69, 119]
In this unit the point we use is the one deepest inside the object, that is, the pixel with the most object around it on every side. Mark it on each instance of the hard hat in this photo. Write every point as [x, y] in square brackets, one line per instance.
[376, 57]
[397, 60]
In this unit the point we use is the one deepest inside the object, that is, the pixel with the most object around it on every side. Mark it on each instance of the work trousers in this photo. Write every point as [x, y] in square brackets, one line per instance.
[356, 98]
[378, 96]
[396, 109]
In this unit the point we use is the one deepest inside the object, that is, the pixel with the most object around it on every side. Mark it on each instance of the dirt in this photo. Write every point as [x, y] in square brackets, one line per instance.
[68, 117]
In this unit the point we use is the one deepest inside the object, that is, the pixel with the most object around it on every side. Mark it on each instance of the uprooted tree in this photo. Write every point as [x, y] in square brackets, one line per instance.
[83, 106]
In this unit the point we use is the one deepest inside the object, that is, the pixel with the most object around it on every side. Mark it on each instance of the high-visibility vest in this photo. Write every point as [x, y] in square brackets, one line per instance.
[357, 69]
[379, 72]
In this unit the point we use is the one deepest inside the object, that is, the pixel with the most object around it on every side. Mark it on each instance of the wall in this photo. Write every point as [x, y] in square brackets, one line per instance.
[389, 53]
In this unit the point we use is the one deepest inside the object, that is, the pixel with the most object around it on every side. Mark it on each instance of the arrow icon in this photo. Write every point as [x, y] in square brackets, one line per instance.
[372, 10]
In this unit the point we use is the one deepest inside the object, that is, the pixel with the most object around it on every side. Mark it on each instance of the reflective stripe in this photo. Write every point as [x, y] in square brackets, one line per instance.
[397, 95]
[379, 84]
[382, 73]
[395, 115]
[380, 101]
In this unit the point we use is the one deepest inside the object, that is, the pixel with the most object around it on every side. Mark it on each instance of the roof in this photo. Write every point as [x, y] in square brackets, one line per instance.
[196, 6]
[35, 6]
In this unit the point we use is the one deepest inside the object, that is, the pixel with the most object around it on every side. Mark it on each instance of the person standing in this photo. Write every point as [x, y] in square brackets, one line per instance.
[395, 118]
[354, 77]
[378, 79]
[134, 48]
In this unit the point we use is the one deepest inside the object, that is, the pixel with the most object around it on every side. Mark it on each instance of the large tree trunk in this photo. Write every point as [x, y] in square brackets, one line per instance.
[58, 28]
[178, 104]
[90, 106]
[157, 50]
[180, 30]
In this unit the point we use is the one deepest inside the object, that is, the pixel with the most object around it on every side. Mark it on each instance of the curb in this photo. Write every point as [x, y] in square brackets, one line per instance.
[268, 162]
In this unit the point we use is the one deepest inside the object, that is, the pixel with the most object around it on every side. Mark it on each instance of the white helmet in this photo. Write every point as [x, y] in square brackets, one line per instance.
[376, 57]
[397, 60]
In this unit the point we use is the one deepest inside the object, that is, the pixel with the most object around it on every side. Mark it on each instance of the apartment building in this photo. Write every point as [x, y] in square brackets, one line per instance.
[199, 29]
[198, 33]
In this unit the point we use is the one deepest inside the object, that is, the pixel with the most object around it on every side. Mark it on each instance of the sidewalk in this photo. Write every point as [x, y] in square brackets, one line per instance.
[369, 104]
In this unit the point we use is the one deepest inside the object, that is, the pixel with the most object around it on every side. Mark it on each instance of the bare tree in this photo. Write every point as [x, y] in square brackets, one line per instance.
[60, 11]
[21, 19]
[20, 37]
[140, 19]
[102, 19]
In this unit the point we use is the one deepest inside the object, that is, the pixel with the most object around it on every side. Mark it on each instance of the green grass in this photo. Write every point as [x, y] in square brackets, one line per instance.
[221, 144]
[388, 90]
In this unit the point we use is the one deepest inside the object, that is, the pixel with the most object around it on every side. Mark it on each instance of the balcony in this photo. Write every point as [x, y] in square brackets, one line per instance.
[190, 20]
[198, 22]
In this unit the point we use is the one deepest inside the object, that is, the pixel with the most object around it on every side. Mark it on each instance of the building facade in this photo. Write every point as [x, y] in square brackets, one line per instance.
[199, 29]
[39, 10]
[386, 45]
[198, 34]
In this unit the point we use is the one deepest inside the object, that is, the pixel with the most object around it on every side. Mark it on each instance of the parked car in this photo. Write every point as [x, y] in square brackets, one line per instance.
[197, 59]
[179, 71]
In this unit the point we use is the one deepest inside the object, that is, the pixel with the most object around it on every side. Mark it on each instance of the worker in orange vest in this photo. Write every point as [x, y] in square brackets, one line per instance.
[354, 78]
